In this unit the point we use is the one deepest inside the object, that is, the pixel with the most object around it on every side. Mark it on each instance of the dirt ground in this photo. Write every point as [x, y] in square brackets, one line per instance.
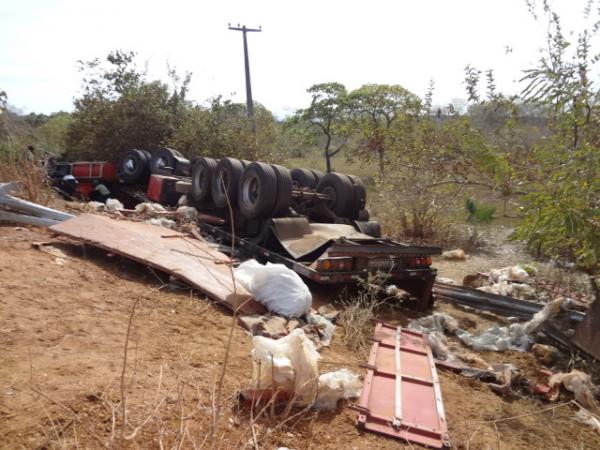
[63, 328]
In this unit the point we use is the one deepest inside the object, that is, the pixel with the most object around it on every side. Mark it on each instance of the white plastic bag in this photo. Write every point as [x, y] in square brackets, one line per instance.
[112, 204]
[334, 386]
[276, 287]
[289, 364]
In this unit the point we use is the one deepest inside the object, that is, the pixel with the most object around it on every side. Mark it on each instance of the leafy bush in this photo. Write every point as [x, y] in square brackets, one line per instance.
[479, 213]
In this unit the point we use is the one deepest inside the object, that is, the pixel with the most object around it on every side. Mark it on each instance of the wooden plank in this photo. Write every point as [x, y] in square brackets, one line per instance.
[187, 259]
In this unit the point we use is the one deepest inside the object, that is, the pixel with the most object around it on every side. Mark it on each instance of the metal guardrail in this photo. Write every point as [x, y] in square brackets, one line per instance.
[500, 304]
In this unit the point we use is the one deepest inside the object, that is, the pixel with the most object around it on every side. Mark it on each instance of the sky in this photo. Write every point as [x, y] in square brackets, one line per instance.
[406, 42]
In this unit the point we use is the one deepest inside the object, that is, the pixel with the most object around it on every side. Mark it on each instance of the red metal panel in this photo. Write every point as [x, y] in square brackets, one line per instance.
[155, 188]
[587, 333]
[104, 170]
[401, 395]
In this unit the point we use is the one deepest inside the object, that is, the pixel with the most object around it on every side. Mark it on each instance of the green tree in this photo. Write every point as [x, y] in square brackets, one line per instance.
[325, 120]
[120, 109]
[373, 109]
[221, 129]
[563, 211]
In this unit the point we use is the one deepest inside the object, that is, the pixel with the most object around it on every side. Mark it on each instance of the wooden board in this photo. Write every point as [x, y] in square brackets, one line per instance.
[401, 396]
[187, 259]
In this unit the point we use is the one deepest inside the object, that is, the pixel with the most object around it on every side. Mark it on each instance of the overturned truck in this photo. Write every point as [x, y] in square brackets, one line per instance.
[314, 223]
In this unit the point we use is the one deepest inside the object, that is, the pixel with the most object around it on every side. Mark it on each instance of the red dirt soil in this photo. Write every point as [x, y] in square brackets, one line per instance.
[63, 328]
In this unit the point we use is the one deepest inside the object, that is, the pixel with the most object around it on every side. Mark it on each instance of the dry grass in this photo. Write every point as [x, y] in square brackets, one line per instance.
[356, 318]
[31, 176]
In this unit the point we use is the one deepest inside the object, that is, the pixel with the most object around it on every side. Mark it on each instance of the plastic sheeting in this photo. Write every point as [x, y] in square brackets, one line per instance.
[279, 289]
[287, 364]
[334, 386]
[516, 336]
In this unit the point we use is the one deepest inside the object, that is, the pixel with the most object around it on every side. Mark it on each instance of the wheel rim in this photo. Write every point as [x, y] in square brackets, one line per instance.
[250, 190]
[130, 165]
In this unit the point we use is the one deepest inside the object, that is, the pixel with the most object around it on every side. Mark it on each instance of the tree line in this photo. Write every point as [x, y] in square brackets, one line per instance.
[541, 146]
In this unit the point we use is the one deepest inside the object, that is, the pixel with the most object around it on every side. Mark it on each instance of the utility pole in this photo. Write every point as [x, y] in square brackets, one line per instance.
[249, 103]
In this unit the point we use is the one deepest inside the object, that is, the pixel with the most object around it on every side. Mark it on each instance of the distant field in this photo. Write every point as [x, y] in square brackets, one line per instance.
[454, 208]
[340, 164]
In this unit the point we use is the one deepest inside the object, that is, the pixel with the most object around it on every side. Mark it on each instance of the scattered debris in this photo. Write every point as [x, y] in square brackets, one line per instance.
[148, 209]
[394, 291]
[321, 327]
[577, 382]
[50, 249]
[112, 204]
[509, 273]
[454, 255]
[162, 222]
[273, 327]
[186, 213]
[329, 312]
[279, 289]
[546, 354]
[502, 377]
[475, 280]
[316, 327]
[402, 396]
[588, 418]
[445, 280]
[287, 364]
[434, 327]
[516, 336]
[335, 386]
[516, 290]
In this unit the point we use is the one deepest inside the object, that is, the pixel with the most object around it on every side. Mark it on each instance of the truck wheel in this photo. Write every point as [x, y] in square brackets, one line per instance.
[284, 191]
[360, 194]
[182, 166]
[228, 172]
[303, 178]
[202, 176]
[318, 175]
[134, 167]
[340, 188]
[257, 192]
[163, 161]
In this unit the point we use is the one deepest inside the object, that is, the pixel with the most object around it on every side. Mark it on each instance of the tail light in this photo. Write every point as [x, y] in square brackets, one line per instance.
[424, 261]
[342, 264]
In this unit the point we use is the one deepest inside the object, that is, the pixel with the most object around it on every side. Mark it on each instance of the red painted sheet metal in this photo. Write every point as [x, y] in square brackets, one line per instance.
[401, 395]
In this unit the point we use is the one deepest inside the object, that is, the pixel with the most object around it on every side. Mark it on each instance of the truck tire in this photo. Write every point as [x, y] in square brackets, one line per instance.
[360, 194]
[245, 163]
[163, 161]
[230, 171]
[284, 191]
[303, 178]
[257, 192]
[148, 157]
[183, 166]
[202, 175]
[134, 167]
[341, 189]
[317, 174]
